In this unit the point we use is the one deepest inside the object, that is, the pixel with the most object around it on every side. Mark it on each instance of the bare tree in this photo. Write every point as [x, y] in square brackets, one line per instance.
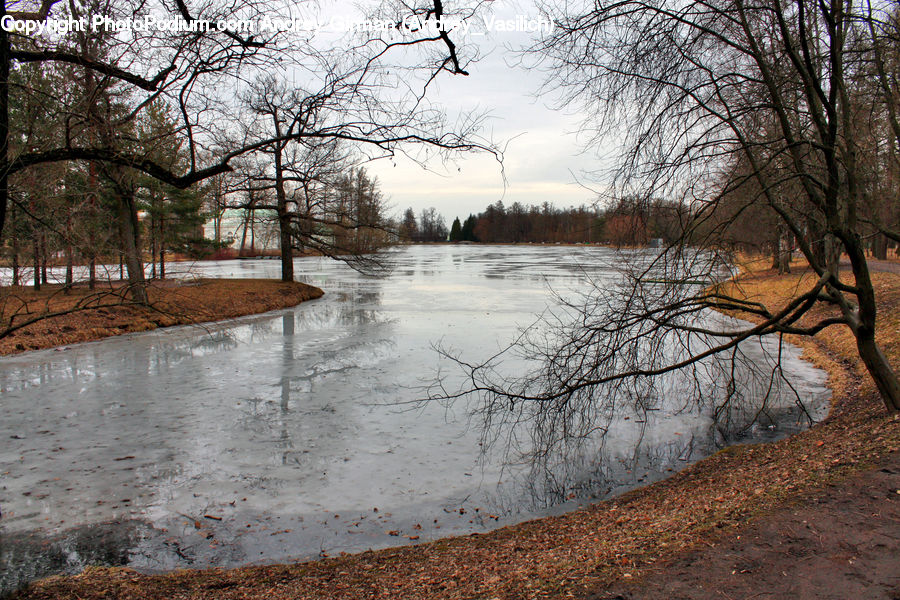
[196, 71]
[711, 98]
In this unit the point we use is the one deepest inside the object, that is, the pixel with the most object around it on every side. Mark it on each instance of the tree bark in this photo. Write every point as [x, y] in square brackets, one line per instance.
[15, 262]
[864, 326]
[880, 370]
[244, 234]
[284, 220]
[70, 254]
[879, 247]
[781, 259]
[15, 252]
[4, 122]
[44, 258]
[152, 246]
[162, 249]
[130, 232]
[70, 262]
[37, 262]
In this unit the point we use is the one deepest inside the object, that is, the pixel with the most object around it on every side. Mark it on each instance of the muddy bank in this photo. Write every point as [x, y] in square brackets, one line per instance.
[106, 311]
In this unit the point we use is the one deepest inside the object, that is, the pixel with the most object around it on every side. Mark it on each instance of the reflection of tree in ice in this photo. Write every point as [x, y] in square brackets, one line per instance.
[605, 438]
[306, 421]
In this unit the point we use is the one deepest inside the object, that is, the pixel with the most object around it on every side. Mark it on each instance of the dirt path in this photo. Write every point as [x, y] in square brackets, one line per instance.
[878, 266]
[843, 542]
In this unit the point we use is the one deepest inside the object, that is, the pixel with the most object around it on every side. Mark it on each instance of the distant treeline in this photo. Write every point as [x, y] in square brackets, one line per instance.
[630, 222]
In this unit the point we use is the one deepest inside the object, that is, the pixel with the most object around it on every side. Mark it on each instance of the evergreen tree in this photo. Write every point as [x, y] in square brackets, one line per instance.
[176, 215]
[456, 231]
[409, 228]
[468, 229]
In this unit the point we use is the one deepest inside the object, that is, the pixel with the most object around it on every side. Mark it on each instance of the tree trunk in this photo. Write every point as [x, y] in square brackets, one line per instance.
[244, 234]
[15, 253]
[865, 326]
[284, 220]
[162, 249]
[4, 121]
[252, 232]
[70, 255]
[92, 240]
[15, 262]
[781, 259]
[121, 257]
[880, 370]
[70, 262]
[130, 232]
[879, 247]
[37, 262]
[44, 258]
[152, 246]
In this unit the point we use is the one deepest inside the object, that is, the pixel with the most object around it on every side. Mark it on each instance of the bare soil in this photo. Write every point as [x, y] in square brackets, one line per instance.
[842, 542]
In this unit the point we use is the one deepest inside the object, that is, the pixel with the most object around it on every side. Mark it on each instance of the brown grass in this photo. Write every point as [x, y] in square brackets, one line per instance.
[106, 311]
[571, 554]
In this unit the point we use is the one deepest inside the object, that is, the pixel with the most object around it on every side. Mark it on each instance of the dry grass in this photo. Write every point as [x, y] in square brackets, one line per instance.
[106, 311]
[569, 555]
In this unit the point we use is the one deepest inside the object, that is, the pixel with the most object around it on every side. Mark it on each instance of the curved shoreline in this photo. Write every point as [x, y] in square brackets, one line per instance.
[172, 303]
[588, 549]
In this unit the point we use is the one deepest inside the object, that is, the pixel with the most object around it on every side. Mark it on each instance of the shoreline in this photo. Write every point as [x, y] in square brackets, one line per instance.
[588, 549]
[102, 313]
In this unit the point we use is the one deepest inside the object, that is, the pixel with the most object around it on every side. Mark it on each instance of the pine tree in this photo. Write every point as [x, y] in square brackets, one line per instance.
[456, 231]
[468, 230]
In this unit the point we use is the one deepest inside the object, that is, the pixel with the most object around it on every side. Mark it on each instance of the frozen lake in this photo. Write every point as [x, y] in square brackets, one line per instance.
[296, 433]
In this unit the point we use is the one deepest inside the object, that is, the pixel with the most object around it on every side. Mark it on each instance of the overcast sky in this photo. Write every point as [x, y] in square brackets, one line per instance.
[543, 157]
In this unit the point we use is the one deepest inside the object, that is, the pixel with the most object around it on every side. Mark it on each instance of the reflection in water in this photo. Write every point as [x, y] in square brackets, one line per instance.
[27, 556]
[292, 427]
[287, 332]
